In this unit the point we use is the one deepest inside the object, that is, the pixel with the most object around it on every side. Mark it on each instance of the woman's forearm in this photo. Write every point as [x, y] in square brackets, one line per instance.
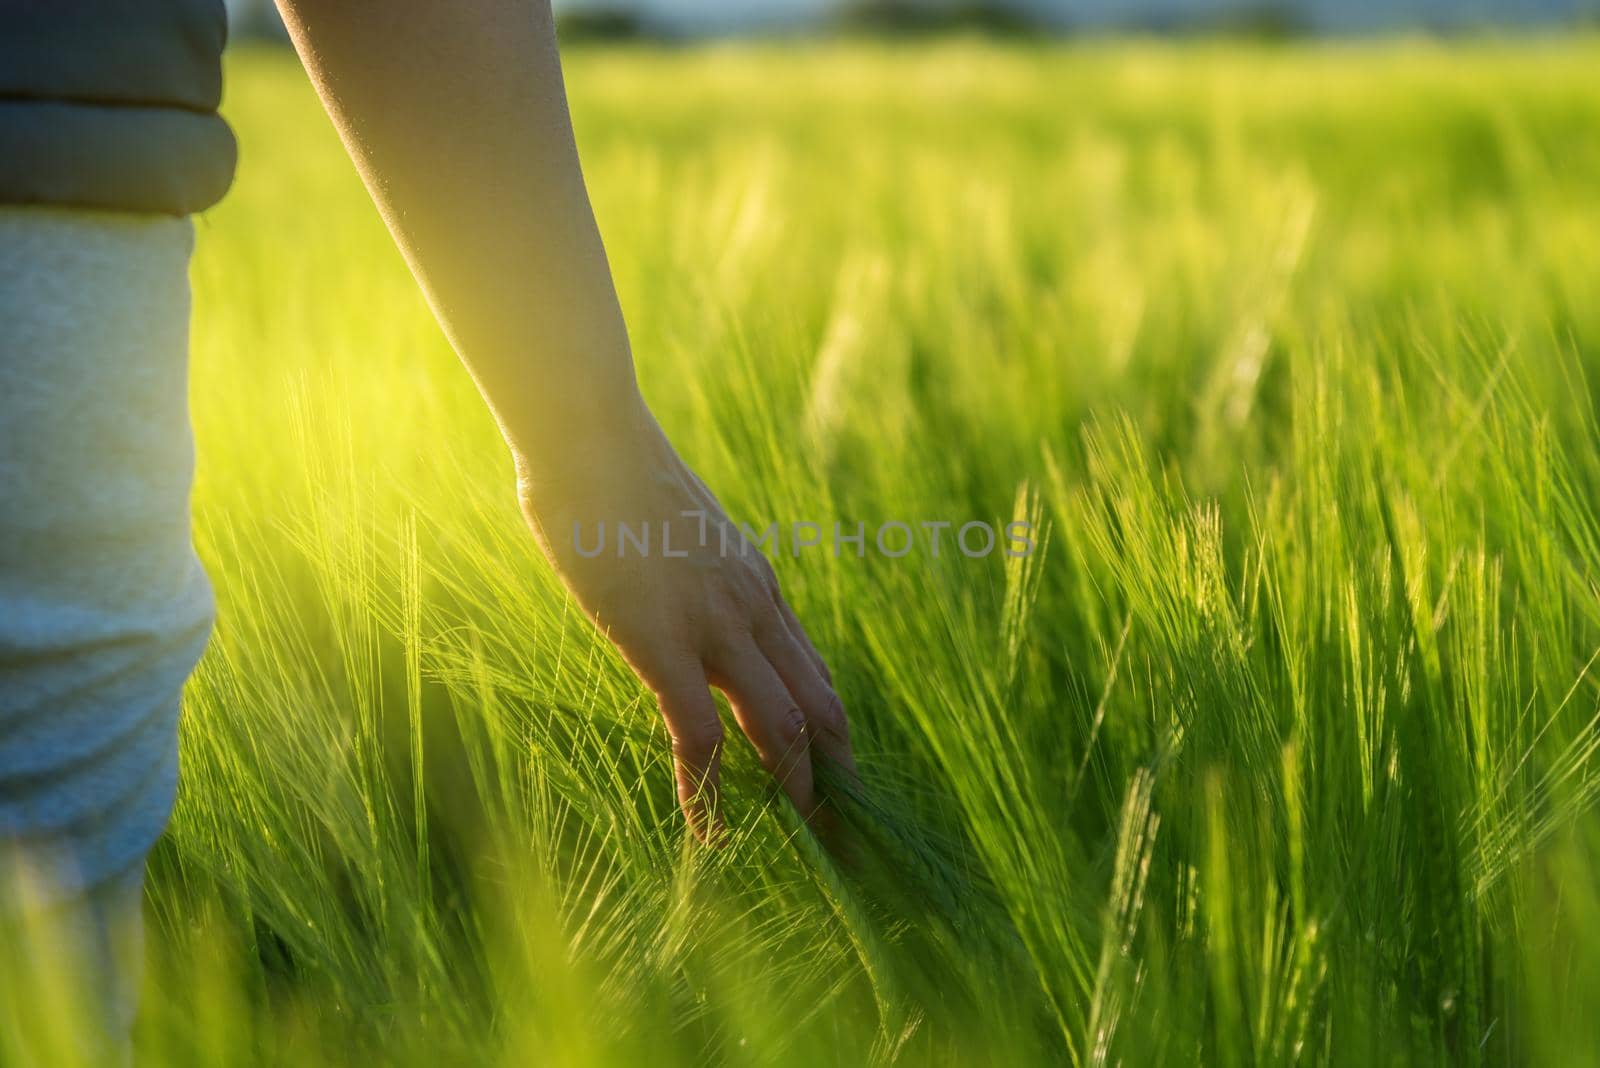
[456, 116]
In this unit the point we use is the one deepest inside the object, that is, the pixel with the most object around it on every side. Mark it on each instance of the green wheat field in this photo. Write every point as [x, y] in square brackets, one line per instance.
[1284, 748]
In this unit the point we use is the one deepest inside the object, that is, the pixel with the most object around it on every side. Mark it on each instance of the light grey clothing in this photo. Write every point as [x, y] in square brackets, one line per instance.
[104, 608]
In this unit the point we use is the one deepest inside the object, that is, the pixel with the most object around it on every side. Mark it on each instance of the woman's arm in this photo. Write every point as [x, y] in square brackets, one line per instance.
[456, 117]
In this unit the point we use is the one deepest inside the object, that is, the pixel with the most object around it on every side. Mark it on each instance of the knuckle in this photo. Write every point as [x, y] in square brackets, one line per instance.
[765, 618]
[730, 608]
[790, 729]
[669, 667]
[725, 641]
[830, 719]
[696, 741]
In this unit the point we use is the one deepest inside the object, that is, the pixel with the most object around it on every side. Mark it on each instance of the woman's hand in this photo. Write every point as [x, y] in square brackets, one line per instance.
[654, 560]
[457, 119]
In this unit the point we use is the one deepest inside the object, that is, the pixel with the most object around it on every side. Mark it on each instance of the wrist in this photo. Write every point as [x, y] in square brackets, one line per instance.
[580, 442]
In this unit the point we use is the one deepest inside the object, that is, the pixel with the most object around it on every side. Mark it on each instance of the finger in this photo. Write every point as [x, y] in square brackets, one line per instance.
[696, 733]
[799, 632]
[771, 718]
[826, 727]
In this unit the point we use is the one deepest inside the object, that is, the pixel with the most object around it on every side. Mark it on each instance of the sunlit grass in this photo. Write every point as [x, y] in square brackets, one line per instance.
[1282, 750]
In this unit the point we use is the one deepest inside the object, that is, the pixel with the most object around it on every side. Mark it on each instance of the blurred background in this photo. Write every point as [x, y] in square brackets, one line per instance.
[1279, 317]
[697, 18]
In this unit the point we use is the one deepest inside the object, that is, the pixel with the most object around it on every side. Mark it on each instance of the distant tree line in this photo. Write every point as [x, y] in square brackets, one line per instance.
[913, 18]
[603, 23]
[624, 20]
[621, 21]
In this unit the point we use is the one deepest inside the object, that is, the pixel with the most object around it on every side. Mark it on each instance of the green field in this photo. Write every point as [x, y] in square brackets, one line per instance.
[1283, 749]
